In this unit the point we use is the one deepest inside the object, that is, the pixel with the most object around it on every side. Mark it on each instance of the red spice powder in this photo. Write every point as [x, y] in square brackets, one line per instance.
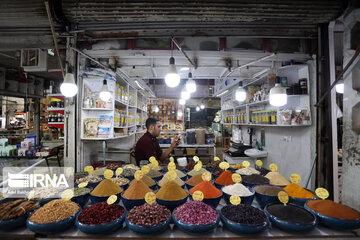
[209, 190]
[225, 178]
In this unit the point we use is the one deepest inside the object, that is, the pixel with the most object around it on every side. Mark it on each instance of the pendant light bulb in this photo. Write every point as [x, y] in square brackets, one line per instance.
[155, 108]
[197, 108]
[105, 95]
[202, 106]
[278, 96]
[68, 88]
[182, 101]
[340, 87]
[172, 78]
[190, 84]
[185, 94]
[240, 94]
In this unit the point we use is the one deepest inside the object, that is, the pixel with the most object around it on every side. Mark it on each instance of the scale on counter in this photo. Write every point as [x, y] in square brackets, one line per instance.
[237, 150]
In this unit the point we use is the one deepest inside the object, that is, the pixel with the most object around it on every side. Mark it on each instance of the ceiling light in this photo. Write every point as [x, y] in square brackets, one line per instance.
[185, 94]
[197, 108]
[180, 113]
[202, 106]
[105, 95]
[155, 108]
[184, 69]
[340, 87]
[172, 78]
[138, 84]
[240, 94]
[190, 84]
[68, 88]
[278, 96]
[220, 94]
[182, 101]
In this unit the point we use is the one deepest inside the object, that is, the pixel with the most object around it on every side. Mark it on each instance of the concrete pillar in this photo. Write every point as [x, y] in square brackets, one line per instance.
[70, 114]
[351, 140]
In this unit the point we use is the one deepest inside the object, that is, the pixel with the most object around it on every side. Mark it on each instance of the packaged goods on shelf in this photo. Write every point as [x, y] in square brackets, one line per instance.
[91, 127]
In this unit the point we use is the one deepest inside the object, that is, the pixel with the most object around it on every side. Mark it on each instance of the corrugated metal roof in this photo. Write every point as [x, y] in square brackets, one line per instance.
[27, 17]
[134, 18]
[295, 11]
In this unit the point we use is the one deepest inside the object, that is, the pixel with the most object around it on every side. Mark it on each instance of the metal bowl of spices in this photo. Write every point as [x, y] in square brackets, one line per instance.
[130, 203]
[148, 219]
[244, 219]
[254, 180]
[291, 217]
[189, 217]
[95, 219]
[59, 210]
[81, 196]
[266, 194]
[246, 194]
[334, 215]
[16, 214]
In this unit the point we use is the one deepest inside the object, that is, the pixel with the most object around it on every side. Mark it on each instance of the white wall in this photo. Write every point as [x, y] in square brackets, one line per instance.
[294, 155]
[351, 140]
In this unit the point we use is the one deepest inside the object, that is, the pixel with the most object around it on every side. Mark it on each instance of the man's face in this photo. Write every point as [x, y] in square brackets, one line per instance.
[156, 129]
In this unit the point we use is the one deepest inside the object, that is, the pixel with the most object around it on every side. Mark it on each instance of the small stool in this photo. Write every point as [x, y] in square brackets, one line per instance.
[226, 142]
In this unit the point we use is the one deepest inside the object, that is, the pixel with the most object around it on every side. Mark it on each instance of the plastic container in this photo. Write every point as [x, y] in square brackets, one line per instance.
[191, 151]
[202, 151]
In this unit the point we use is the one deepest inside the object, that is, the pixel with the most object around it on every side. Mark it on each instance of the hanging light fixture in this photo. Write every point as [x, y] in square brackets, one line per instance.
[240, 94]
[180, 113]
[202, 106]
[105, 95]
[68, 88]
[172, 78]
[182, 101]
[340, 87]
[185, 94]
[190, 84]
[155, 108]
[278, 96]
[197, 108]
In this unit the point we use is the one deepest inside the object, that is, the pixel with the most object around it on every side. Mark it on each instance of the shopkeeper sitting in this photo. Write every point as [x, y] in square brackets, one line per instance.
[148, 145]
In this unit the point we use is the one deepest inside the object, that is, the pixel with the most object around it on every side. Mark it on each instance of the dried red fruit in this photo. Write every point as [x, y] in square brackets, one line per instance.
[100, 213]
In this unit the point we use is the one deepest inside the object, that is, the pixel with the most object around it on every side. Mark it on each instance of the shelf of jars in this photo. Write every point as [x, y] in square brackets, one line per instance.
[56, 105]
[256, 109]
[112, 119]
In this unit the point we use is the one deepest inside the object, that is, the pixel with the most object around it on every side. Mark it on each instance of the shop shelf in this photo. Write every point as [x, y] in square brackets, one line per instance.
[57, 110]
[56, 124]
[56, 95]
[268, 125]
[121, 102]
[97, 109]
[17, 94]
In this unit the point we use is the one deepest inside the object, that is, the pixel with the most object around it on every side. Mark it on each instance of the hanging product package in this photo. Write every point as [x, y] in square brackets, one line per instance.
[91, 127]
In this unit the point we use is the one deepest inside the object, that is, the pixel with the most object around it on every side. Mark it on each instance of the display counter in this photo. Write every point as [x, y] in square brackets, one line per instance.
[193, 146]
[173, 232]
